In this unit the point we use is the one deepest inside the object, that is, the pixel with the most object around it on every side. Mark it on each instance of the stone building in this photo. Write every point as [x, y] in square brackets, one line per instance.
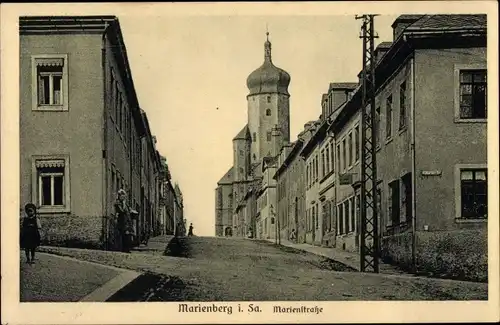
[268, 109]
[83, 134]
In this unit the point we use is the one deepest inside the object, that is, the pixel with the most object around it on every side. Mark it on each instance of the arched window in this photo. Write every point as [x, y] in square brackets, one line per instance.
[268, 112]
[272, 221]
[268, 99]
[254, 157]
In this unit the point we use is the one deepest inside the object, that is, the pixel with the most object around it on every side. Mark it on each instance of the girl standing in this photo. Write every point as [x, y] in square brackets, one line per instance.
[30, 232]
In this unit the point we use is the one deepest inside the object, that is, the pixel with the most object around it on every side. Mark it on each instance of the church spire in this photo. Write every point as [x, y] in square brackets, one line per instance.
[267, 47]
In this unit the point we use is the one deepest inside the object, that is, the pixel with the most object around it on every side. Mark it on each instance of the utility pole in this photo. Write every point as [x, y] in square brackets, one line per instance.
[369, 217]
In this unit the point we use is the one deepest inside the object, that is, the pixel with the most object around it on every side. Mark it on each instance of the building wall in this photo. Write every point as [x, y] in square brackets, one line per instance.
[224, 209]
[61, 133]
[314, 223]
[394, 155]
[436, 94]
[327, 191]
[347, 216]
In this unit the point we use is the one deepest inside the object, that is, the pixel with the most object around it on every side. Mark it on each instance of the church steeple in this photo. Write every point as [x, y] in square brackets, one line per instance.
[267, 48]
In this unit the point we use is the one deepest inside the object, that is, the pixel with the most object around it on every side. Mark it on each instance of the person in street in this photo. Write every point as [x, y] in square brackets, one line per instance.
[293, 235]
[30, 232]
[190, 233]
[124, 221]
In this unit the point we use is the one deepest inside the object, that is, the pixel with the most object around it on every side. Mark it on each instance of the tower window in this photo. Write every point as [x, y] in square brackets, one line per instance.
[254, 157]
[268, 112]
[254, 137]
[268, 135]
[268, 99]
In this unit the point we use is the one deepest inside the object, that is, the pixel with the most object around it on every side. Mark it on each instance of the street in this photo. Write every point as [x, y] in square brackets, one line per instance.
[228, 269]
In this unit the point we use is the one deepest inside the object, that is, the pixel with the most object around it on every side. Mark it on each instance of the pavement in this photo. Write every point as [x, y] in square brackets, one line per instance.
[56, 278]
[348, 258]
[230, 269]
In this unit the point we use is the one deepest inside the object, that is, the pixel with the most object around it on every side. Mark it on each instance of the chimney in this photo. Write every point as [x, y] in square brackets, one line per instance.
[401, 23]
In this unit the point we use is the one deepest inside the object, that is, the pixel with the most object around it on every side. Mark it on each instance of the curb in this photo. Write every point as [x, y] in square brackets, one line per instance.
[105, 291]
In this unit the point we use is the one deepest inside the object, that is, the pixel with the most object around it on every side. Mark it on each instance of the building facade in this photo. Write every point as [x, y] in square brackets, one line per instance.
[83, 135]
[430, 141]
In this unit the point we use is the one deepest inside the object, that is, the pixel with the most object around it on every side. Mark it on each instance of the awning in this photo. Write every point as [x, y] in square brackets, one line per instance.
[50, 62]
[49, 163]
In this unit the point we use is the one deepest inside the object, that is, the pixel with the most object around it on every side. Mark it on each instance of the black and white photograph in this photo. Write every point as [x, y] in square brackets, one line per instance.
[242, 162]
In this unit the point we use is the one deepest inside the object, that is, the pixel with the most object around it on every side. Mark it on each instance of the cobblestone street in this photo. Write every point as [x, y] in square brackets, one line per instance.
[220, 269]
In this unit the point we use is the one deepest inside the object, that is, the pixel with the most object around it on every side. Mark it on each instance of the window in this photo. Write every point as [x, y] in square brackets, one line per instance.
[473, 95]
[350, 147]
[346, 216]
[340, 222]
[473, 193]
[356, 143]
[406, 196]
[327, 156]
[358, 209]
[351, 213]
[344, 155]
[317, 216]
[377, 127]
[316, 169]
[339, 166]
[268, 112]
[254, 138]
[268, 135]
[241, 152]
[402, 105]
[332, 157]
[323, 170]
[313, 217]
[112, 92]
[51, 183]
[269, 100]
[388, 121]
[50, 82]
[394, 202]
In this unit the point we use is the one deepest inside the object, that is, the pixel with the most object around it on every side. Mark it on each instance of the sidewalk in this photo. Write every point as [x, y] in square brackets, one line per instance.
[63, 279]
[347, 258]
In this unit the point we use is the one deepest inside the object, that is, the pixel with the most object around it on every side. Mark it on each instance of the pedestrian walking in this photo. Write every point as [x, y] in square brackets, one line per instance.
[190, 232]
[30, 232]
[124, 221]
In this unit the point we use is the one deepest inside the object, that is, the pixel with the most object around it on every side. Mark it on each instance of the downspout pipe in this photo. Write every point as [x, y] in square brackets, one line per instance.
[104, 204]
[413, 168]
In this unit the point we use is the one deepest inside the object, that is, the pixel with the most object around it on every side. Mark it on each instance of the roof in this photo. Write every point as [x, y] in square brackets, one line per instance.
[445, 22]
[244, 134]
[406, 18]
[227, 178]
[384, 45]
[343, 85]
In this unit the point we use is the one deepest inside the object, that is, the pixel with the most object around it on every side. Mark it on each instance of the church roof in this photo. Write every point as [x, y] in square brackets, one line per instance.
[268, 78]
[244, 134]
[227, 178]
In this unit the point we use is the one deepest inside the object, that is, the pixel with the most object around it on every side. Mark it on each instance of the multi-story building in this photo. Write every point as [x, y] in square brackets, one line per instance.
[290, 177]
[82, 130]
[430, 140]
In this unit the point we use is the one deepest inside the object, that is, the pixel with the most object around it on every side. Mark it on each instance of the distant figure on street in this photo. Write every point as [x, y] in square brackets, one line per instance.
[293, 236]
[250, 233]
[124, 221]
[190, 232]
[30, 232]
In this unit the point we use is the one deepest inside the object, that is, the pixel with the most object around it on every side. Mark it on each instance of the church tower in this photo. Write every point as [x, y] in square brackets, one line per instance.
[268, 105]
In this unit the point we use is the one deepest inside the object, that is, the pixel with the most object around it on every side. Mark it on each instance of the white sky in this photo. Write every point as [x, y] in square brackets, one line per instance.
[185, 67]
